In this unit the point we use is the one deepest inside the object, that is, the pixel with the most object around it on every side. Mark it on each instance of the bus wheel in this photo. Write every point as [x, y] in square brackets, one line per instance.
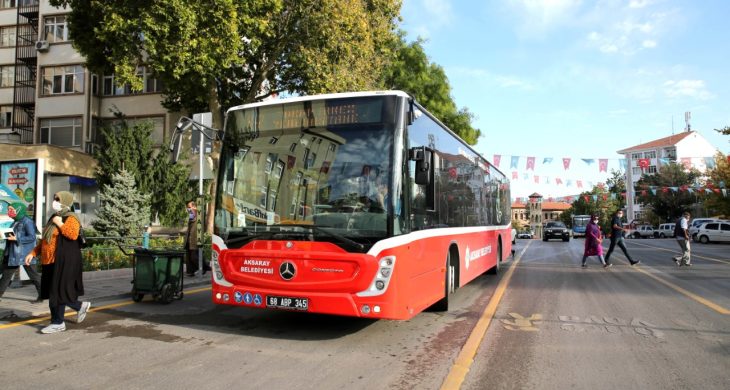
[495, 270]
[449, 287]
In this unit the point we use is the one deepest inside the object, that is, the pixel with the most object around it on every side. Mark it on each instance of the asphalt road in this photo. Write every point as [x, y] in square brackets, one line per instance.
[653, 326]
[557, 326]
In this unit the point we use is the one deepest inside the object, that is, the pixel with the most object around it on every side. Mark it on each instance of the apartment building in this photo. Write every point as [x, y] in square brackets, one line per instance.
[51, 106]
[688, 147]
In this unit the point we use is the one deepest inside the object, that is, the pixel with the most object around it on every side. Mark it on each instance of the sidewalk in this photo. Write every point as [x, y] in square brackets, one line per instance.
[98, 286]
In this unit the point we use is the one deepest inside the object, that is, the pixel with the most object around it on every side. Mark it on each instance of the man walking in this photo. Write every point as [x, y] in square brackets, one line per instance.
[681, 231]
[617, 238]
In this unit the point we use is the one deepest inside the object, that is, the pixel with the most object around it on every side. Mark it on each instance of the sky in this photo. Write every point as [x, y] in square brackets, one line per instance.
[578, 79]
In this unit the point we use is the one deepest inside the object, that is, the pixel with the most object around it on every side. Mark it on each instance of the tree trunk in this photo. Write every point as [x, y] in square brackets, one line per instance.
[215, 107]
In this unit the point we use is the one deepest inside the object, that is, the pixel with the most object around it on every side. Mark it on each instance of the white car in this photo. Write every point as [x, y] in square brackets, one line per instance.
[695, 226]
[666, 230]
[714, 231]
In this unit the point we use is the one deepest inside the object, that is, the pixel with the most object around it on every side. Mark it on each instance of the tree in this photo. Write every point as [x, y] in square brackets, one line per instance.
[668, 191]
[124, 211]
[718, 203]
[124, 147]
[725, 130]
[598, 201]
[617, 184]
[411, 71]
[219, 53]
[130, 148]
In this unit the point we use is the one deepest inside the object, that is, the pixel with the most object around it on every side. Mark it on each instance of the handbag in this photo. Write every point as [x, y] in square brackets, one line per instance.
[81, 238]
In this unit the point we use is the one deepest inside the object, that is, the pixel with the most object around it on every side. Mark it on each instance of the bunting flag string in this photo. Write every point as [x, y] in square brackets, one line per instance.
[531, 162]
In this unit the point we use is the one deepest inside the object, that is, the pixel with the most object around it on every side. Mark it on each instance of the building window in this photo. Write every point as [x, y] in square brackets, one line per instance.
[651, 154]
[61, 132]
[55, 28]
[59, 80]
[7, 75]
[635, 156]
[149, 84]
[6, 116]
[651, 169]
[7, 36]
[636, 171]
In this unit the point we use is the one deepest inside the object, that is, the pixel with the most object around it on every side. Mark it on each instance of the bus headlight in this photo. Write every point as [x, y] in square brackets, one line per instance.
[382, 278]
[218, 271]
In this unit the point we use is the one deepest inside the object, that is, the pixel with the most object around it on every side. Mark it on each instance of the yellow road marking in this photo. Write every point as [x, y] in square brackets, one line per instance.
[463, 362]
[712, 305]
[100, 308]
[694, 256]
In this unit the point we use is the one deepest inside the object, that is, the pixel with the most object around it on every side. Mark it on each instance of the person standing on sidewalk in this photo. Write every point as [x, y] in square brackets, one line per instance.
[617, 238]
[593, 243]
[18, 244]
[60, 252]
[681, 231]
[191, 242]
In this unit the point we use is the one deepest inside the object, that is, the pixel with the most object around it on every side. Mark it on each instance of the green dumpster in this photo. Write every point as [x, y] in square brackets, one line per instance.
[158, 272]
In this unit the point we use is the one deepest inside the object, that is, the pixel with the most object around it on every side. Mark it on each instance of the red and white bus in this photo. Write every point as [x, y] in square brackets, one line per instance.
[358, 204]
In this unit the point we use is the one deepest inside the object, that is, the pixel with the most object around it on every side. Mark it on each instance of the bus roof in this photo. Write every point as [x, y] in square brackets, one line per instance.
[272, 102]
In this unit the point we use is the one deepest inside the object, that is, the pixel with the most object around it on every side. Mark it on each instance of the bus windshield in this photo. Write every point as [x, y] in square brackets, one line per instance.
[313, 170]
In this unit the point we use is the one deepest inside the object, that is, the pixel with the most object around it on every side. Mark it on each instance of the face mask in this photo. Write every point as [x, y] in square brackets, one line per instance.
[56, 206]
[12, 214]
[191, 214]
[595, 221]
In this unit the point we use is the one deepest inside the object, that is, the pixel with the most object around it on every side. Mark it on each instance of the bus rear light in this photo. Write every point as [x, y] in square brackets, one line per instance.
[218, 296]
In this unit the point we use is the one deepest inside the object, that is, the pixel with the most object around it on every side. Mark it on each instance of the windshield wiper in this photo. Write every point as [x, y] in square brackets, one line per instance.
[319, 229]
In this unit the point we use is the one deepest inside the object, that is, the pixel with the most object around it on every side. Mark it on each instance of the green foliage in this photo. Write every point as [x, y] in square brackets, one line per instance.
[125, 147]
[124, 210]
[130, 148]
[412, 72]
[219, 53]
[171, 191]
[670, 204]
[604, 206]
[717, 203]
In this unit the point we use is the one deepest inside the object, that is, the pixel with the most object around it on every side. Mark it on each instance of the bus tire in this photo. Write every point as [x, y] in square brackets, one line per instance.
[449, 287]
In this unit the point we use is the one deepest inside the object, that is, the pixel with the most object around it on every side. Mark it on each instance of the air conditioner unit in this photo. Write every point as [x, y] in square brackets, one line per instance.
[41, 45]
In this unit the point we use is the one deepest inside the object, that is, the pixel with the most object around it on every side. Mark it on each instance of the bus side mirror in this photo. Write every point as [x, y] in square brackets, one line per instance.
[422, 157]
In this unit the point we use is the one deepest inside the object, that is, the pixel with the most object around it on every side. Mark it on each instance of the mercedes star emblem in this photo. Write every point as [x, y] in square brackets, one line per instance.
[287, 270]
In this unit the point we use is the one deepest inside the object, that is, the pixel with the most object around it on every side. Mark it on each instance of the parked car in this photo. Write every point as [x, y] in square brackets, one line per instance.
[714, 231]
[525, 234]
[642, 231]
[556, 229]
[696, 223]
[666, 230]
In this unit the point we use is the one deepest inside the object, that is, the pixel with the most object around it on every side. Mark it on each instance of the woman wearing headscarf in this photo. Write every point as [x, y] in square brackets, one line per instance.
[593, 242]
[60, 252]
[18, 244]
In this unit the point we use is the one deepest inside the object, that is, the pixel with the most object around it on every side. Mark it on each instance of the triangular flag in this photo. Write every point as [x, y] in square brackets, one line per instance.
[514, 162]
[588, 161]
[566, 163]
[547, 160]
[497, 159]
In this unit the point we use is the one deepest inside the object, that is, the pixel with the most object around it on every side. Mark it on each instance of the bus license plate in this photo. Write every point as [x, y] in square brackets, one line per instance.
[287, 303]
